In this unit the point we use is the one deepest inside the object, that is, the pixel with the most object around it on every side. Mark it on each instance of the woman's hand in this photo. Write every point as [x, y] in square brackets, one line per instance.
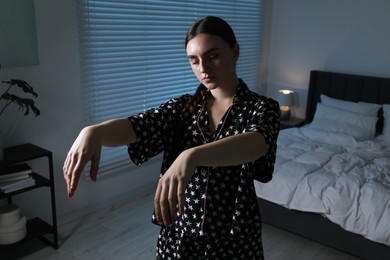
[170, 192]
[87, 147]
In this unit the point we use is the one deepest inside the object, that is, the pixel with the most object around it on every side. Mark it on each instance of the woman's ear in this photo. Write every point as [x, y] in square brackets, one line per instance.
[236, 52]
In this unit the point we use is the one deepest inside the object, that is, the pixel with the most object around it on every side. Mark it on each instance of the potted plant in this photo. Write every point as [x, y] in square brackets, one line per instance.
[8, 97]
[25, 104]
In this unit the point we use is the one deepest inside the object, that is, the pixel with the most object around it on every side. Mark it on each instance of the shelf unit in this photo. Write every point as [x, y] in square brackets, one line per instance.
[36, 227]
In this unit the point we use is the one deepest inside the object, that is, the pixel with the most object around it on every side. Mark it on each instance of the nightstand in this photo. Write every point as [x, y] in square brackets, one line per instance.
[292, 122]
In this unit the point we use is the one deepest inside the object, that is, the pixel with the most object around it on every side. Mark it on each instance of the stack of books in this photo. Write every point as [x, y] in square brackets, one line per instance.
[16, 177]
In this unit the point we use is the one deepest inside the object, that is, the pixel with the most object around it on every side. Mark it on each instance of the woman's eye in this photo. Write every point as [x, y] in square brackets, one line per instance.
[213, 56]
[194, 62]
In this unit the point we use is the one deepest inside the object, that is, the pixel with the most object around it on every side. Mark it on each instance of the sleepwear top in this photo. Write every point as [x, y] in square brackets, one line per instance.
[219, 201]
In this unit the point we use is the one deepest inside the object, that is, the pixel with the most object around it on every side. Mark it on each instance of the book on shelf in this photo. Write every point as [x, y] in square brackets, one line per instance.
[15, 177]
[7, 187]
[12, 178]
[15, 169]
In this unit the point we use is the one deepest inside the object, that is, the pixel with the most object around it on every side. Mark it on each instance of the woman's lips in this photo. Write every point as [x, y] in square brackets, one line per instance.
[207, 79]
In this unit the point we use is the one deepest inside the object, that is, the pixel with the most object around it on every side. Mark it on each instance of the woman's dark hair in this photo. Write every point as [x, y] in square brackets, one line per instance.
[210, 25]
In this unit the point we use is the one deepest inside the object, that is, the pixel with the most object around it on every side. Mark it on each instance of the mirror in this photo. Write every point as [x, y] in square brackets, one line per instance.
[18, 40]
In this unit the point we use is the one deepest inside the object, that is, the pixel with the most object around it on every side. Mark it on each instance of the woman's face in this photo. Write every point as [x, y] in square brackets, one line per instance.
[212, 60]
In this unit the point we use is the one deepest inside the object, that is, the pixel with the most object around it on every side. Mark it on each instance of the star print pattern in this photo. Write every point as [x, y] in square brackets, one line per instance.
[220, 201]
[173, 245]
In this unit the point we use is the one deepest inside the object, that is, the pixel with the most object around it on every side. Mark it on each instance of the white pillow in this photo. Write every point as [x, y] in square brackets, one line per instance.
[386, 126]
[364, 108]
[361, 127]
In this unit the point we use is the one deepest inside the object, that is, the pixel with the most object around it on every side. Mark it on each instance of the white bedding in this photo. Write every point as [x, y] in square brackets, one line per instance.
[334, 175]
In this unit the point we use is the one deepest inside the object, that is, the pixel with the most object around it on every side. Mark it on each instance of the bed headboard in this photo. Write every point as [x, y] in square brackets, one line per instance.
[347, 87]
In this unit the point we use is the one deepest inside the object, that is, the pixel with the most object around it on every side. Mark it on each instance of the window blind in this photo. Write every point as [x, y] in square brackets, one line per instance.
[133, 56]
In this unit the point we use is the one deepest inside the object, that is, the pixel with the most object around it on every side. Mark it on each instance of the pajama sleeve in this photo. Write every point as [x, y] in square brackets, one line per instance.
[154, 129]
[264, 120]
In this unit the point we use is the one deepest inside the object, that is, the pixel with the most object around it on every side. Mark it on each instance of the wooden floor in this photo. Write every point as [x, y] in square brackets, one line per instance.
[124, 231]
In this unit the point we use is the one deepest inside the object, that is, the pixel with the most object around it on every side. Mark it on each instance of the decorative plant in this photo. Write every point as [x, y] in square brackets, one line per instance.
[25, 104]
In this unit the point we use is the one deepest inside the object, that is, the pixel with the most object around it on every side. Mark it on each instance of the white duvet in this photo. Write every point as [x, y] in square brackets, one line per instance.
[336, 176]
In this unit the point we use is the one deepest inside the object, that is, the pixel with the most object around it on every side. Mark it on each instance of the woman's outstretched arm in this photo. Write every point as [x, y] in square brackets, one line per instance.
[233, 150]
[87, 147]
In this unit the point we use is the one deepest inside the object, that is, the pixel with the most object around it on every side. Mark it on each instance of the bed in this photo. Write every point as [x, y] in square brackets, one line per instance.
[332, 181]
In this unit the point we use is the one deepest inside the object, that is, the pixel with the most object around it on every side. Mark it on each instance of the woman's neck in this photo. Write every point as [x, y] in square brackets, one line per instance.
[225, 92]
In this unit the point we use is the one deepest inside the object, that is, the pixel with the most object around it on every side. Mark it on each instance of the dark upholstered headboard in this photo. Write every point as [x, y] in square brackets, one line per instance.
[346, 87]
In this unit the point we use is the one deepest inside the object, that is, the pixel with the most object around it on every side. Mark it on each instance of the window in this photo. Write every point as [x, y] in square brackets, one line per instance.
[133, 55]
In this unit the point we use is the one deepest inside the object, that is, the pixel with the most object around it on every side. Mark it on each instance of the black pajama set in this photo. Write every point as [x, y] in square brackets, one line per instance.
[221, 217]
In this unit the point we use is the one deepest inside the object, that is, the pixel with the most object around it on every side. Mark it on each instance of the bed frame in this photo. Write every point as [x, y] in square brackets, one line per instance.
[314, 226]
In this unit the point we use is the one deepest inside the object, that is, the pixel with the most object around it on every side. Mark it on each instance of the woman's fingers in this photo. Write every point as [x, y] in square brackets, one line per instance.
[161, 205]
[68, 172]
[72, 171]
[73, 168]
[86, 147]
[172, 201]
[157, 210]
[94, 166]
[75, 177]
[164, 206]
[166, 200]
[180, 197]
[170, 193]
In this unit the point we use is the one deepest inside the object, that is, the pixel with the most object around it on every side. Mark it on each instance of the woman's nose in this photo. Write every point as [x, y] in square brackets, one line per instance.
[204, 67]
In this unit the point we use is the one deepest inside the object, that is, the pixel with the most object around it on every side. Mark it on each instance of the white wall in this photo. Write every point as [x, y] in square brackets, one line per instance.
[350, 36]
[57, 81]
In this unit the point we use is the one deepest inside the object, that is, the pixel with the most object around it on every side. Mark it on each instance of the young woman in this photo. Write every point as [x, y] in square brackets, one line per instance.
[215, 143]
